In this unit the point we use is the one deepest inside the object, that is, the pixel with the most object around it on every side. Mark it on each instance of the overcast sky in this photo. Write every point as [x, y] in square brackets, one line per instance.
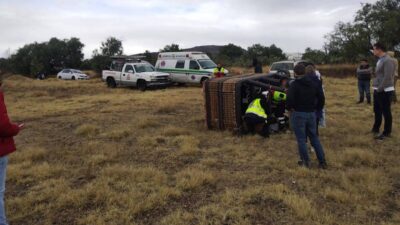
[152, 24]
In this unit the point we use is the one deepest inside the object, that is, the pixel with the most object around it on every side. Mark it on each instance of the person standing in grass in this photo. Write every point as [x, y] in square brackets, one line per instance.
[396, 75]
[304, 98]
[7, 131]
[383, 86]
[364, 73]
[219, 71]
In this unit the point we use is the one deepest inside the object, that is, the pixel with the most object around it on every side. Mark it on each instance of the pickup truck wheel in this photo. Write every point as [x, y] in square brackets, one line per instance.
[73, 78]
[203, 80]
[111, 83]
[142, 85]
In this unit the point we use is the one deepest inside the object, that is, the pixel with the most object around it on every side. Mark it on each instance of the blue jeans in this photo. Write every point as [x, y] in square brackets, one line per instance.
[364, 86]
[304, 124]
[3, 167]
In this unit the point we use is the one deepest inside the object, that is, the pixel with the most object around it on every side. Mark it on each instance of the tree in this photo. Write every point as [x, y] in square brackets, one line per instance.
[111, 47]
[373, 22]
[48, 57]
[99, 61]
[231, 51]
[171, 48]
[266, 55]
[150, 57]
[315, 56]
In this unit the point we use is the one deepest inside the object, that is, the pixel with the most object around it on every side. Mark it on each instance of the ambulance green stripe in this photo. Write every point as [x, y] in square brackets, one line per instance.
[185, 71]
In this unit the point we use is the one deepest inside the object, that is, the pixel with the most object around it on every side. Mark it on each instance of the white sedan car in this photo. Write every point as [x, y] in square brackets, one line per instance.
[71, 74]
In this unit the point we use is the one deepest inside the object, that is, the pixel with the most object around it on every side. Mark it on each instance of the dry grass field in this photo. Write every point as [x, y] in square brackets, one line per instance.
[92, 155]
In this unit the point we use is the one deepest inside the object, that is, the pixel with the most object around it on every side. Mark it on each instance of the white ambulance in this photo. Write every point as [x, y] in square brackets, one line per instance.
[186, 67]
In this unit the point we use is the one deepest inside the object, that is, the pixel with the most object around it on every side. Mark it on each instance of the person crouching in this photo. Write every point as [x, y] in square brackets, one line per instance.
[256, 117]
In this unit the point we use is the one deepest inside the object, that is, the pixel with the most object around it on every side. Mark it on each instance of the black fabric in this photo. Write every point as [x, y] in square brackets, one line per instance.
[382, 107]
[253, 120]
[305, 95]
[364, 73]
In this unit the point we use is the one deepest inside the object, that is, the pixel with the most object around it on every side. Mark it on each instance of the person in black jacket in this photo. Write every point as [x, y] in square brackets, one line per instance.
[364, 72]
[304, 98]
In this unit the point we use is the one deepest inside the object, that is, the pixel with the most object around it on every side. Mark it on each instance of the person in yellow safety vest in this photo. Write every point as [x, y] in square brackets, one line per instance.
[279, 101]
[256, 117]
[219, 71]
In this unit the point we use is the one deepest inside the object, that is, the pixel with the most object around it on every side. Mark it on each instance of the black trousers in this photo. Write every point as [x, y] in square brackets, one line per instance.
[253, 121]
[382, 107]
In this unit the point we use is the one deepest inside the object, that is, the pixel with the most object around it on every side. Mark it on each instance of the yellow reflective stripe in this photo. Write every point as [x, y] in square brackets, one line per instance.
[222, 70]
[256, 108]
[279, 96]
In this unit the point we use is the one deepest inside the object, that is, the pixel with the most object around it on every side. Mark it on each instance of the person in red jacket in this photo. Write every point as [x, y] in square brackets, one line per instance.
[7, 131]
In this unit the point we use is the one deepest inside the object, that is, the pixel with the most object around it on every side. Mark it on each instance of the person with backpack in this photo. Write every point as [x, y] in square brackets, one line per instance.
[7, 132]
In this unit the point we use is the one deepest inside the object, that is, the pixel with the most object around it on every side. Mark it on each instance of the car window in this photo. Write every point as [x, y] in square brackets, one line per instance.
[180, 64]
[67, 71]
[282, 66]
[128, 67]
[207, 64]
[194, 65]
[142, 68]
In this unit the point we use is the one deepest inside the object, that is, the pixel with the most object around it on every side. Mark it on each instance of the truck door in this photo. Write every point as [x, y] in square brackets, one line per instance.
[128, 75]
[192, 75]
[180, 72]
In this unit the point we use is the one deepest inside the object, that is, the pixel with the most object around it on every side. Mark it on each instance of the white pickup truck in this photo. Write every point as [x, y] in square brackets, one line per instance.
[135, 73]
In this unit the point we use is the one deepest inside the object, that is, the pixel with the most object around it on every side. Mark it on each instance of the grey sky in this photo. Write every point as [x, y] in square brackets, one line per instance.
[152, 24]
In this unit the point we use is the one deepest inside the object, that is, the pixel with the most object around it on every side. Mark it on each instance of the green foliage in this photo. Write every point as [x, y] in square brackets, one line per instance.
[171, 48]
[150, 57]
[99, 62]
[373, 22]
[101, 59]
[47, 57]
[231, 52]
[315, 56]
[111, 47]
[4, 65]
[266, 55]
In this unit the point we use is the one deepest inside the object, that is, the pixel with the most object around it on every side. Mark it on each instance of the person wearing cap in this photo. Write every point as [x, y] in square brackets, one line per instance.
[219, 71]
[256, 116]
[7, 131]
[396, 74]
[304, 98]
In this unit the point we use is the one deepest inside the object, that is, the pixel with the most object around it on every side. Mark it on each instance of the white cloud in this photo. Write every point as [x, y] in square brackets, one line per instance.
[151, 24]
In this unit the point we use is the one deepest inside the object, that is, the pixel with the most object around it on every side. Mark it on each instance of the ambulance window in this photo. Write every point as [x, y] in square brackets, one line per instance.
[127, 68]
[194, 65]
[180, 64]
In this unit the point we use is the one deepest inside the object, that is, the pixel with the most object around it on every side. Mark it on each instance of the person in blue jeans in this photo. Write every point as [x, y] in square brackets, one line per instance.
[304, 98]
[364, 73]
[3, 168]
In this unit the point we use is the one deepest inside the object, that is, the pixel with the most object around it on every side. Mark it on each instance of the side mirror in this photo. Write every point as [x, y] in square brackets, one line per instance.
[130, 71]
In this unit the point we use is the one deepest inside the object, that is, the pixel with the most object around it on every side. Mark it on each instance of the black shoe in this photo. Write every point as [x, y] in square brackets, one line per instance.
[304, 164]
[382, 137]
[323, 166]
[375, 132]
